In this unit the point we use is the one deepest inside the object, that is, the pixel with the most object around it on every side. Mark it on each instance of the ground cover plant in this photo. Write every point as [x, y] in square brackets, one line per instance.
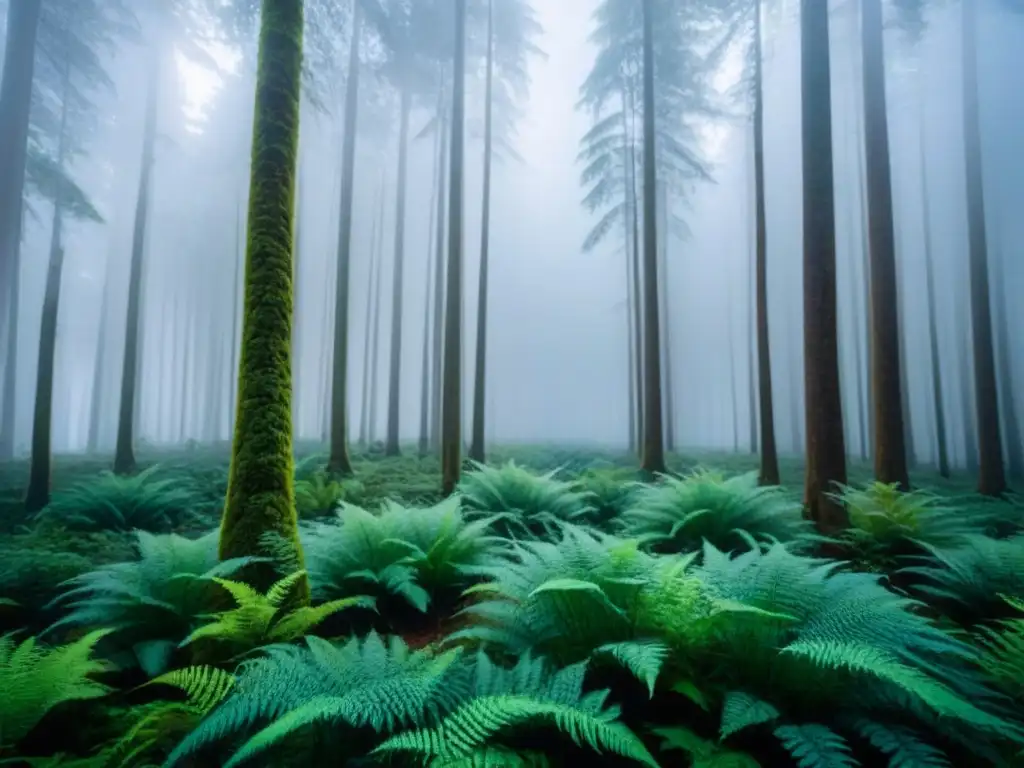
[541, 615]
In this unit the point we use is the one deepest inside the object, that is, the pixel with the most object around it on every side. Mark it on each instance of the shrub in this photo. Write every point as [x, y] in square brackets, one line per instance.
[678, 515]
[523, 504]
[123, 503]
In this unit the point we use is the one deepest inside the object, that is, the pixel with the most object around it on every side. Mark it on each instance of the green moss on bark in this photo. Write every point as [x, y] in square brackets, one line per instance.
[261, 496]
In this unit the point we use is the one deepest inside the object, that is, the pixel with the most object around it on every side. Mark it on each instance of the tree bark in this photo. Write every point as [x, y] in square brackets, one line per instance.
[992, 475]
[826, 452]
[653, 460]
[378, 247]
[451, 409]
[769, 470]
[338, 462]
[391, 447]
[124, 453]
[476, 445]
[889, 448]
[261, 498]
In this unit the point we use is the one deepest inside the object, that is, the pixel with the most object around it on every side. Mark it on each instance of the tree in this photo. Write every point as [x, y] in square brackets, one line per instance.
[75, 34]
[992, 474]
[826, 450]
[889, 447]
[451, 410]
[261, 496]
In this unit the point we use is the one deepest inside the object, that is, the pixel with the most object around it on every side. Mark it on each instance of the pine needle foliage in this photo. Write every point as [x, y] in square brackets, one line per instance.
[417, 555]
[124, 503]
[152, 603]
[34, 679]
[967, 579]
[264, 618]
[679, 514]
[523, 504]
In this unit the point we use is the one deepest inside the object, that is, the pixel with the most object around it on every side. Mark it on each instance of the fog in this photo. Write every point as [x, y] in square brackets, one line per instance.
[558, 342]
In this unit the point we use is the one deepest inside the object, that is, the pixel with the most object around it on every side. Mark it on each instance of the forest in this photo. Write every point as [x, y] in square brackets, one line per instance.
[511, 383]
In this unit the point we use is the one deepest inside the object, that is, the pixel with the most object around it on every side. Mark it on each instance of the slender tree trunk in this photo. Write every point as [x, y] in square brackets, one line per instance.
[425, 374]
[451, 409]
[889, 447]
[826, 451]
[1014, 456]
[666, 319]
[364, 403]
[100, 363]
[124, 454]
[865, 252]
[653, 459]
[261, 499]
[733, 383]
[37, 495]
[992, 476]
[437, 340]
[339, 463]
[769, 471]
[391, 447]
[933, 332]
[15, 112]
[638, 304]
[476, 445]
[378, 247]
[631, 393]
[632, 312]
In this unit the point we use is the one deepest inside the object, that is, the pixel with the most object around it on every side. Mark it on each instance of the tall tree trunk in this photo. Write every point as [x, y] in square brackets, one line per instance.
[992, 475]
[733, 383]
[826, 452]
[261, 497]
[476, 445]
[391, 447]
[15, 112]
[631, 391]
[769, 471]
[865, 264]
[666, 317]
[451, 409]
[378, 247]
[124, 453]
[933, 331]
[437, 339]
[426, 380]
[37, 495]
[100, 363]
[889, 447]
[364, 403]
[339, 463]
[236, 316]
[633, 205]
[653, 459]
[632, 309]
[1015, 459]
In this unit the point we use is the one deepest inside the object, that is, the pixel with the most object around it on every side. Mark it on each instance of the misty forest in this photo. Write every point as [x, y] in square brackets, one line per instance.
[511, 383]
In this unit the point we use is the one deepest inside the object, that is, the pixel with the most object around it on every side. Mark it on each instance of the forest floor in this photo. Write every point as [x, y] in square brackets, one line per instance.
[584, 554]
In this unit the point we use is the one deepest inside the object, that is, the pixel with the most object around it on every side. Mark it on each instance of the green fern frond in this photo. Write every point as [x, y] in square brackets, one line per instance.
[477, 722]
[204, 686]
[741, 710]
[816, 746]
[643, 659]
[703, 753]
[494, 757]
[35, 679]
[903, 747]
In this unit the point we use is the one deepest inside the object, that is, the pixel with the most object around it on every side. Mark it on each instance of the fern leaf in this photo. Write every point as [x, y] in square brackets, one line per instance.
[300, 621]
[703, 753]
[204, 686]
[741, 710]
[904, 748]
[643, 659]
[816, 746]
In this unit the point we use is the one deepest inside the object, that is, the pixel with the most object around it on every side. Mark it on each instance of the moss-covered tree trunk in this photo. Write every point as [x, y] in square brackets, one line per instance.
[451, 410]
[886, 367]
[652, 460]
[261, 498]
[391, 447]
[124, 452]
[15, 112]
[992, 474]
[826, 451]
[769, 469]
[338, 462]
[476, 443]
[37, 495]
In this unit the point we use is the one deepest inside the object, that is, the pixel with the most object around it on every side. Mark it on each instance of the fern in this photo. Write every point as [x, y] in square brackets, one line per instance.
[1003, 653]
[903, 747]
[152, 603]
[816, 746]
[643, 658]
[261, 619]
[35, 679]
[703, 753]
[678, 515]
[741, 710]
